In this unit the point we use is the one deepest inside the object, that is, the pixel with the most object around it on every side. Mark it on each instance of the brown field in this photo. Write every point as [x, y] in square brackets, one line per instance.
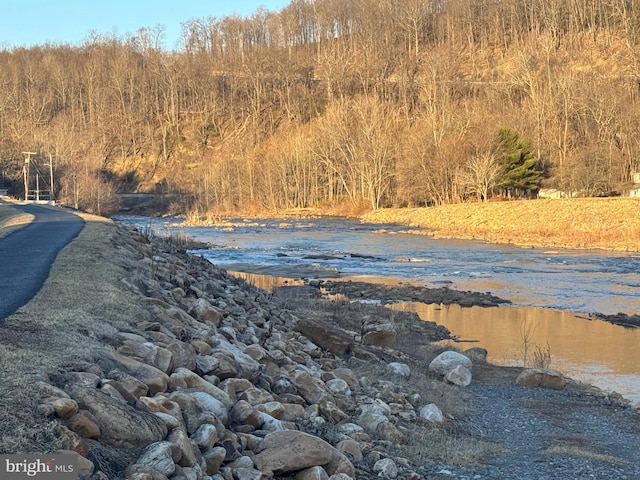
[602, 223]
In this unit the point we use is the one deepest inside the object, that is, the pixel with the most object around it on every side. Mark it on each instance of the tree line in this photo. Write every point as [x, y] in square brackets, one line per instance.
[361, 103]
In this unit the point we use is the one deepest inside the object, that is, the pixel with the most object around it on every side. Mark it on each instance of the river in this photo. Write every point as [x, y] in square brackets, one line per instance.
[552, 291]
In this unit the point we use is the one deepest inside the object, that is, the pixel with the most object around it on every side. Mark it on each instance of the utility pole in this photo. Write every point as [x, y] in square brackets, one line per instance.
[25, 173]
[51, 176]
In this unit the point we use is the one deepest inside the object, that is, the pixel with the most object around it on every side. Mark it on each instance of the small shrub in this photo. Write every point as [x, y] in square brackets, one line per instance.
[541, 357]
[533, 354]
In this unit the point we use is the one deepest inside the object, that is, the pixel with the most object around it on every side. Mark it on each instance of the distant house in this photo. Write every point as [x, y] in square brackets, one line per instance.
[553, 193]
[4, 192]
[635, 190]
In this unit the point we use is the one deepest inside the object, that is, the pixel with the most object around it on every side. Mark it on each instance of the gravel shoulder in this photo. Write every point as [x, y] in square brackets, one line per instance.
[575, 433]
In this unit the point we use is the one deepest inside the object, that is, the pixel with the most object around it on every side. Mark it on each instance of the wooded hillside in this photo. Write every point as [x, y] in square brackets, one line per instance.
[357, 103]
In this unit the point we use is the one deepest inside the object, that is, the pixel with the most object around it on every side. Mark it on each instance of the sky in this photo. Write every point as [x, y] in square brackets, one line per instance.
[25, 23]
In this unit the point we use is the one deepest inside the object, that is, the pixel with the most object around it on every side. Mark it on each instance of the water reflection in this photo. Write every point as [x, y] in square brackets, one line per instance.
[585, 349]
[266, 282]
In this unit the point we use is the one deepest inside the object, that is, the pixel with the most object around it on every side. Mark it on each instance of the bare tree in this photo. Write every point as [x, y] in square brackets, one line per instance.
[481, 175]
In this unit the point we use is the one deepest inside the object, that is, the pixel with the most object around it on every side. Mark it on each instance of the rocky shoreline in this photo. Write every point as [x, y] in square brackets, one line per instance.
[221, 380]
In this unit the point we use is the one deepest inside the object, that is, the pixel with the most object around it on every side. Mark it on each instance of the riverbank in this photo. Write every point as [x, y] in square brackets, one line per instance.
[581, 223]
[219, 378]
[585, 223]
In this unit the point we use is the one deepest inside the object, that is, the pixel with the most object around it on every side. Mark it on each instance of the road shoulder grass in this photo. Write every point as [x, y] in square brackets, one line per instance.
[83, 302]
[12, 219]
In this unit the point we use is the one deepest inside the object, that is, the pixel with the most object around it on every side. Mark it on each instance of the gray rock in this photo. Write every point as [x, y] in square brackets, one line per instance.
[206, 364]
[386, 468]
[247, 474]
[351, 449]
[310, 388]
[205, 437]
[476, 354]
[214, 459]
[184, 355]
[189, 379]
[459, 375]
[337, 386]
[399, 369]
[158, 457]
[199, 408]
[313, 473]
[447, 361]
[325, 335]
[283, 385]
[121, 425]
[431, 413]
[205, 312]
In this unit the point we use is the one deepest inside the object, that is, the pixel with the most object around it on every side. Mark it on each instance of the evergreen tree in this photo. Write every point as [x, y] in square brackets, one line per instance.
[521, 174]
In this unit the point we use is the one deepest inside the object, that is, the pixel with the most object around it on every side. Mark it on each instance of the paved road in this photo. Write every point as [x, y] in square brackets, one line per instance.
[26, 254]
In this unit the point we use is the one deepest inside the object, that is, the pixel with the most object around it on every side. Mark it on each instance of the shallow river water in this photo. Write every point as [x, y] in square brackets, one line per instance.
[553, 291]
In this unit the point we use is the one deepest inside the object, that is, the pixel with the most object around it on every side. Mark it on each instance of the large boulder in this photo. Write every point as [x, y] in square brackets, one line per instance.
[386, 468]
[120, 425]
[184, 378]
[310, 388]
[537, 377]
[157, 456]
[459, 375]
[476, 354]
[325, 335]
[184, 355]
[291, 450]
[373, 415]
[205, 312]
[398, 369]
[447, 361]
[199, 408]
[247, 367]
[378, 332]
[155, 379]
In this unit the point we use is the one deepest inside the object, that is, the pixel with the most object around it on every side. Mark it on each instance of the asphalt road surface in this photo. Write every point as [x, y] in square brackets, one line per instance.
[26, 255]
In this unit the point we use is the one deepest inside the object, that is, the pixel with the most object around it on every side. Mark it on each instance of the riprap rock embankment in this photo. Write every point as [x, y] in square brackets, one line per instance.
[220, 380]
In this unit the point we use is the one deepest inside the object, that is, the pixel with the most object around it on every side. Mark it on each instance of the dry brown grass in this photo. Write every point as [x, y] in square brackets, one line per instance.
[66, 322]
[603, 223]
[573, 448]
[12, 219]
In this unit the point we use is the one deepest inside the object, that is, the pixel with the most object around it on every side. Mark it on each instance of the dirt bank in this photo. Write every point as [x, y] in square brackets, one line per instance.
[602, 223]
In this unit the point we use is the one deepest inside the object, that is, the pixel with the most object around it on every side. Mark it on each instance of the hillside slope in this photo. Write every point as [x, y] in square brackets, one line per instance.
[603, 223]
